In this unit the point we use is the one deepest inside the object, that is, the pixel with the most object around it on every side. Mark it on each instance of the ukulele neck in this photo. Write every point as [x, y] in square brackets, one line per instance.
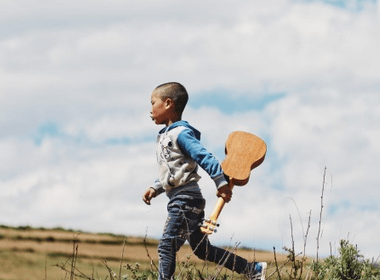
[220, 203]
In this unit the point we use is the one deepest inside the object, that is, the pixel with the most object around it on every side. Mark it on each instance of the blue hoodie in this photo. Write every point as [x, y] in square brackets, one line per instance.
[179, 152]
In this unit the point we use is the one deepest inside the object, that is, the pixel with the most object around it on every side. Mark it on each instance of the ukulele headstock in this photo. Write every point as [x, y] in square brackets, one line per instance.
[208, 226]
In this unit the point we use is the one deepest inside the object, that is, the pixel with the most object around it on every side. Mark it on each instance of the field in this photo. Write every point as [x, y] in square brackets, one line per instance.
[27, 253]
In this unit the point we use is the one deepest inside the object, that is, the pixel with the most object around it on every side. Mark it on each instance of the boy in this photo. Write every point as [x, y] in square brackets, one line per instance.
[179, 152]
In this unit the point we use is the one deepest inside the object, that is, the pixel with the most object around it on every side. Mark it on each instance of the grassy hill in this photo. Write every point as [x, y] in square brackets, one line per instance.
[38, 253]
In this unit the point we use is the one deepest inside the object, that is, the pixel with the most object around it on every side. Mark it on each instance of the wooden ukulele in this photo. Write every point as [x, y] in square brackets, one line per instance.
[244, 151]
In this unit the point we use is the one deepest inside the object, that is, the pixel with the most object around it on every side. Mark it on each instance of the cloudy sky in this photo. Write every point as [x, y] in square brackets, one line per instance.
[77, 146]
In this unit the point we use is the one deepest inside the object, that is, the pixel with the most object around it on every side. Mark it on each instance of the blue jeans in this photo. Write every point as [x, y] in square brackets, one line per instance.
[185, 212]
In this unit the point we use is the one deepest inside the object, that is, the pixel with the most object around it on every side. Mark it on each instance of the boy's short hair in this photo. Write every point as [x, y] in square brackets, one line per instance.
[176, 92]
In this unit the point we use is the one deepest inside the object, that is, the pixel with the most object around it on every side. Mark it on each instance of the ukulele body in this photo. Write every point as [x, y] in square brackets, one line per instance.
[244, 152]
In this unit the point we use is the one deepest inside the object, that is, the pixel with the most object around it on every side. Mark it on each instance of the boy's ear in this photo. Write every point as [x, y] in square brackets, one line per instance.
[169, 103]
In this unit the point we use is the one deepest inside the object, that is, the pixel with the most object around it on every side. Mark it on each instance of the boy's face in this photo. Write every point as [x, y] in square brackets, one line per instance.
[158, 112]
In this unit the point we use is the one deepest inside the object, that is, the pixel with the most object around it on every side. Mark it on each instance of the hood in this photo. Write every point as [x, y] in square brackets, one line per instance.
[185, 124]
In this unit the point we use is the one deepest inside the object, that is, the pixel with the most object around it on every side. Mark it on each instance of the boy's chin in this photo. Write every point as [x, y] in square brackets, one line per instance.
[156, 121]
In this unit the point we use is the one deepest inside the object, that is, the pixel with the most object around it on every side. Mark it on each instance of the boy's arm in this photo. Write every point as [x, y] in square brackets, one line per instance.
[193, 148]
[148, 195]
[152, 192]
[158, 187]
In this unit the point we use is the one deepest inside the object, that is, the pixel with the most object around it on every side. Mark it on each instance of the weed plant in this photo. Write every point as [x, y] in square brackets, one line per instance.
[348, 265]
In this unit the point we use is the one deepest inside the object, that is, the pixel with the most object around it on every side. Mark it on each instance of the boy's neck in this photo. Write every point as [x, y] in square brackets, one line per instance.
[173, 121]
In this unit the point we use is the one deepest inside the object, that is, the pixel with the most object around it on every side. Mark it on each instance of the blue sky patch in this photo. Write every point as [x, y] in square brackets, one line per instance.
[46, 130]
[53, 130]
[336, 207]
[344, 4]
[230, 103]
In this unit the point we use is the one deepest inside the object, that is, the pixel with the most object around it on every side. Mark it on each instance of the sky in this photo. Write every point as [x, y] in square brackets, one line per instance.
[77, 145]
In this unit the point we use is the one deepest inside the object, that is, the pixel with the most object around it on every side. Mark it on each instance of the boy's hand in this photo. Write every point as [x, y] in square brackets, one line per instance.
[148, 195]
[224, 192]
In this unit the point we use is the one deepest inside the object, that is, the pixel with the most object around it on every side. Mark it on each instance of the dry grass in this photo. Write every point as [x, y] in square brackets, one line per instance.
[34, 253]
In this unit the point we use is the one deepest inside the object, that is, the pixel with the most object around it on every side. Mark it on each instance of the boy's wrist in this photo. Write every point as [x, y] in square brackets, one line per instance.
[220, 181]
[153, 191]
[157, 187]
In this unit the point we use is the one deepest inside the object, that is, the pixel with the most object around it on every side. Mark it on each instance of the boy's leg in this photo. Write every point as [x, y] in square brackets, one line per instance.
[183, 218]
[169, 244]
[203, 249]
[167, 249]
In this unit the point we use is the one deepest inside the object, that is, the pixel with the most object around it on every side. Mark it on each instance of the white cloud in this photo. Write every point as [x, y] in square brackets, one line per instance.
[87, 70]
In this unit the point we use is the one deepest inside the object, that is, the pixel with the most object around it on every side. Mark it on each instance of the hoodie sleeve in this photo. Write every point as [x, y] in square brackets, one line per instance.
[158, 187]
[193, 148]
